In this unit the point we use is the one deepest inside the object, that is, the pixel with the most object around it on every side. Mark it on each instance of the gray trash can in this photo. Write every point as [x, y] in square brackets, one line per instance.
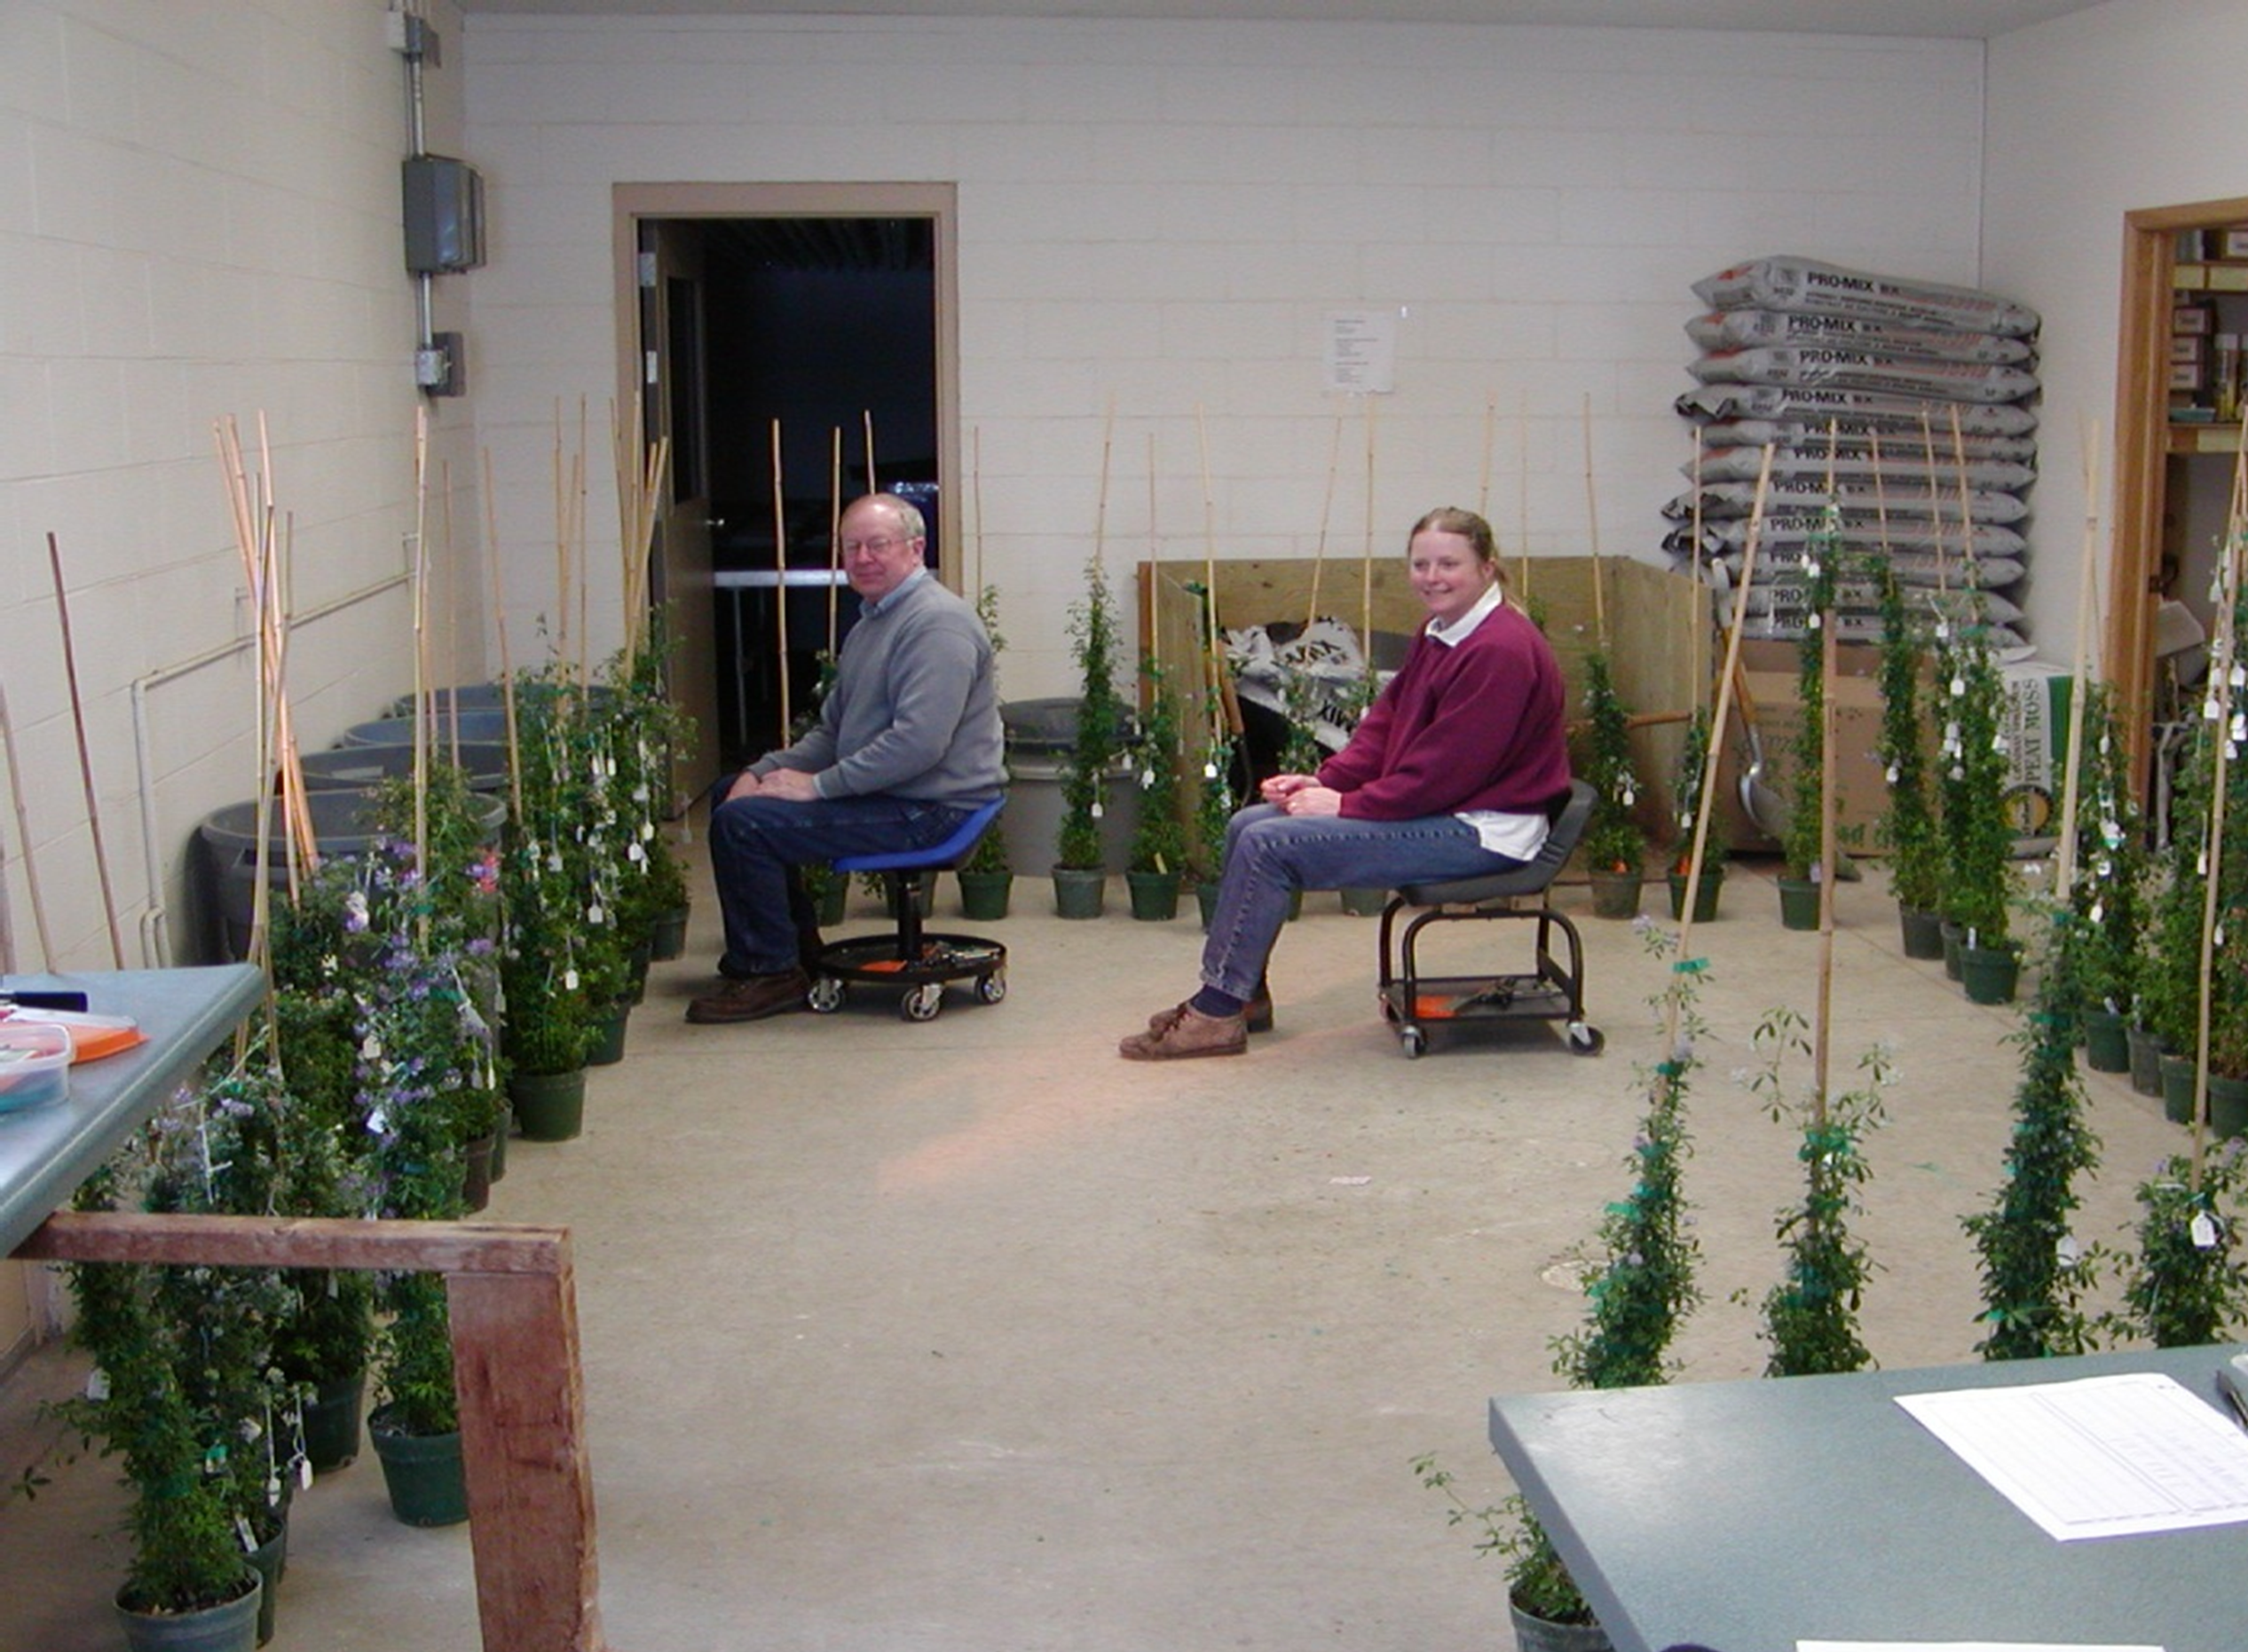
[363, 767]
[1039, 733]
[343, 825]
[484, 727]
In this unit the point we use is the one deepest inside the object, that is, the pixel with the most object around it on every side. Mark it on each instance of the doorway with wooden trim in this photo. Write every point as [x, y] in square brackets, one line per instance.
[795, 342]
[2178, 435]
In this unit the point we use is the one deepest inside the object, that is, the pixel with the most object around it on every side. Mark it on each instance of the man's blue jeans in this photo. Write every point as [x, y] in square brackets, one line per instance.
[756, 844]
[1270, 855]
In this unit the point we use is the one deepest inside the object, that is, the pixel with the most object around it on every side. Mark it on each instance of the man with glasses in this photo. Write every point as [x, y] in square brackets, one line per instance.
[908, 744]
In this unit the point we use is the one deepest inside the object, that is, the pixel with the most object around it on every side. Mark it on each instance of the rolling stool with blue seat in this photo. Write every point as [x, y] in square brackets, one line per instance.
[920, 963]
[1552, 991]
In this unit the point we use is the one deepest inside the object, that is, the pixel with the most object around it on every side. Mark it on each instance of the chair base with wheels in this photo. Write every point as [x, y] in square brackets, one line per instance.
[1551, 990]
[917, 962]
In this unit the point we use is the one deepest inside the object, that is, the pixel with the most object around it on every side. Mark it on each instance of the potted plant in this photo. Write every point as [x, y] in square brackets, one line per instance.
[986, 878]
[647, 730]
[1804, 844]
[1908, 826]
[1693, 761]
[2035, 1274]
[1613, 846]
[1645, 1287]
[1549, 1612]
[1812, 1314]
[2108, 904]
[186, 1391]
[550, 1027]
[1080, 871]
[1157, 862]
[2186, 1284]
[1978, 837]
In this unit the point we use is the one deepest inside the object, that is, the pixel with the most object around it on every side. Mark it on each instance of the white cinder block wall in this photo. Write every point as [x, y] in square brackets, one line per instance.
[1159, 217]
[2128, 105]
[199, 220]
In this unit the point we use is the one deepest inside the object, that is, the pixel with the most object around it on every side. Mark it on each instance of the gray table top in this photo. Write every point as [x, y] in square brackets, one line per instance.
[46, 1152]
[1744, 1515]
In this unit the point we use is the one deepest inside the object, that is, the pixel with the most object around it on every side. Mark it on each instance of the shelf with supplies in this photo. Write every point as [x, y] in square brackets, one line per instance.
[2202, 437]
[2210, 278]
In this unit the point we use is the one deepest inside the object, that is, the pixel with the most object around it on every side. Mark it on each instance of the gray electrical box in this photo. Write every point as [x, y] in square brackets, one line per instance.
[443, 215]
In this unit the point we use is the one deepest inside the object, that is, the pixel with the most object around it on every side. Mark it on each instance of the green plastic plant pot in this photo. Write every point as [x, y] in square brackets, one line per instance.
[548, 1106]
[425, 1474]
[1079, 893]
[1155, 895]
[1989, 974]
[230, 1626]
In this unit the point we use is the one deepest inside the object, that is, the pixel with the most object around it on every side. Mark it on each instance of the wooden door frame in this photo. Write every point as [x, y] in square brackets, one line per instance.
[2143, 451]
[936, 201]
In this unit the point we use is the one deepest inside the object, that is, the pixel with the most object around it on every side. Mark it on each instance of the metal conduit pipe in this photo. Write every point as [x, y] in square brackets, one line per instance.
[155, 949]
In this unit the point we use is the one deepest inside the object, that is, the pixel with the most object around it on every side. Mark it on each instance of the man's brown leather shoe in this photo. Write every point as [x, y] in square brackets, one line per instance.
[1184, 1032]
[753, 999]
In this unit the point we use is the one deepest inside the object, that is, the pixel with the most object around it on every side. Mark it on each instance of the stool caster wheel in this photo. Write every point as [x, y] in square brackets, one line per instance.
[1413, 1041]
[992, 988]
[825, 996]
[1584, 1040]
[922, 1002]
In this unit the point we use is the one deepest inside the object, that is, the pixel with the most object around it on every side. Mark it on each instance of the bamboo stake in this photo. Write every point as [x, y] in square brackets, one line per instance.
[1366, 562]
[975, 502]
[1214, 644]
[421, 592]
[780, 579]
[834, 533]
[25, 852]
[1935, 510]
[1155, 565]
[2222, 659]
[1326, 516]
[1592, 527]
[580, 464]
[1697, 635]
[561, 539]
[866, 418]
[1966, 510]
[85, 757]
[1100, 498]
[2065, 860]
[1821, 1035]
[452, 611]
[1490, 425]
[1522, 492]
[499, 630]
[1674, 1004]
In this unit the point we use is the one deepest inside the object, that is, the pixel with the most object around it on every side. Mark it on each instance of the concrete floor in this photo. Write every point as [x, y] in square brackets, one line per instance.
[970, 1337]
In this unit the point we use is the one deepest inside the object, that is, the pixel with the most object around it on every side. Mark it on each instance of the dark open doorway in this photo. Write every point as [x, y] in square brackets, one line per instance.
[825, 328]
[826, 315]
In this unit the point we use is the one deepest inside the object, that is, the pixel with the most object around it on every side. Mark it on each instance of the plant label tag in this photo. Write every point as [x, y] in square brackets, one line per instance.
[2203, 1232]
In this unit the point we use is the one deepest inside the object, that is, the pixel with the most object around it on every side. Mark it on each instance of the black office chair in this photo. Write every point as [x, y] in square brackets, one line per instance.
[1552, 991]
[908, 957]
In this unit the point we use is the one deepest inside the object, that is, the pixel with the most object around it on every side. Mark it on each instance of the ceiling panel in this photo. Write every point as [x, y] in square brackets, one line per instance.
[1969, 18]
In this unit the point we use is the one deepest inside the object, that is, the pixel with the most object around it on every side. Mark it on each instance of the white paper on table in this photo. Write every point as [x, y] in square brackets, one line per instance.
[1958, 1646]
[2101, 1457]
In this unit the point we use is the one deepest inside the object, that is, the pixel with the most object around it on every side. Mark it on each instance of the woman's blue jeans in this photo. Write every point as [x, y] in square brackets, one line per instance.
[756, 844]
[1270, 855]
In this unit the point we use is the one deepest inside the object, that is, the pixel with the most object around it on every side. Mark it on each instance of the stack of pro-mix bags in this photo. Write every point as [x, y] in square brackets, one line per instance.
[1898, 415]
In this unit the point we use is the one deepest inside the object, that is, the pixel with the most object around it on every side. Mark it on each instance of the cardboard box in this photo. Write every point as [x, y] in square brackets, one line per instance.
[2035, 723]
[1861, 786]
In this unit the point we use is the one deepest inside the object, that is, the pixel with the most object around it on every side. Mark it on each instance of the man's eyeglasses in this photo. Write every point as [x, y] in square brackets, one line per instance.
[873, 547]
